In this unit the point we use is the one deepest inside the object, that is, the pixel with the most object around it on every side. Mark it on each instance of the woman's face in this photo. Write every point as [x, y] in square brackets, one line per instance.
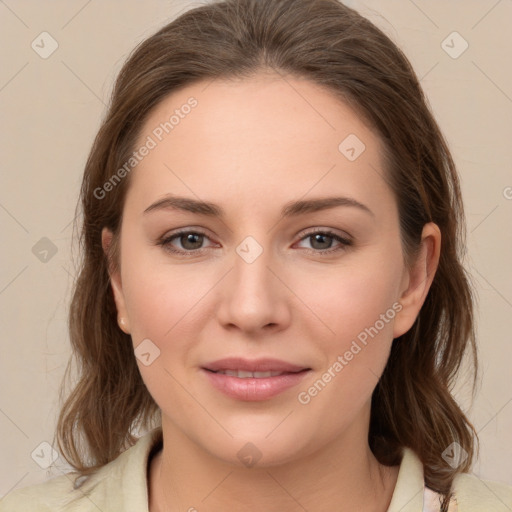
[255, 282]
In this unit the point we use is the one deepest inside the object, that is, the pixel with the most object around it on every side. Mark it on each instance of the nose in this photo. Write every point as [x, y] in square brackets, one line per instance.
[254, 298]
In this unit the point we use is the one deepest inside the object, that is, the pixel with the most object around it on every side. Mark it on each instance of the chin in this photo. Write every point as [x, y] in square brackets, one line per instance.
[260, 447]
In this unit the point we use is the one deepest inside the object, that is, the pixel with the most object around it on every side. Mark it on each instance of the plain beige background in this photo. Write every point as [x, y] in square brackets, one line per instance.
[51, 109]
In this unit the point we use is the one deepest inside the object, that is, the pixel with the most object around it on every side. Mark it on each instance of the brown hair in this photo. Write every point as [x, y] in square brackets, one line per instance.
[331, 45]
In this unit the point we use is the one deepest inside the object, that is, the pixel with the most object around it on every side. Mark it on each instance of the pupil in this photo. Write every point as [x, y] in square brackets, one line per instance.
[319, 238]
[190, 239]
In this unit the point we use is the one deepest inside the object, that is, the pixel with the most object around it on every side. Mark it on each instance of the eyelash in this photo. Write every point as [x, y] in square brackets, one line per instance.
[165, 242]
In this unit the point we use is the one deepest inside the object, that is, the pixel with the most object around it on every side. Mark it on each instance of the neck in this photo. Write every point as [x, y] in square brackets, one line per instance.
[343, 476]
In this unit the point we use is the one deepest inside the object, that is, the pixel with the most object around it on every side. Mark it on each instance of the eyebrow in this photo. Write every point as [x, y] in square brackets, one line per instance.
[292, 208]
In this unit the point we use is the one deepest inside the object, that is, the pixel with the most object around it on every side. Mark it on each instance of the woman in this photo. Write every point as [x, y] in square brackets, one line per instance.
[271, 283]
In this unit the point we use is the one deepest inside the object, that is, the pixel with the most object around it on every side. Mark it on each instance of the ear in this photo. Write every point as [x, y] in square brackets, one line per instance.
[417, 280]
[115, 281]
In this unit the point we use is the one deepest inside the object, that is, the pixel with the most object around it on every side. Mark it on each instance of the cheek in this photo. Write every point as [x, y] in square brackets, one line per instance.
[164, 306]
[360, 310]
[357, 306]
[351, 299]
[162, 299]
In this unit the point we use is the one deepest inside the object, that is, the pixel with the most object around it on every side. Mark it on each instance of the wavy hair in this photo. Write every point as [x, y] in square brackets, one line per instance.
[334, 46]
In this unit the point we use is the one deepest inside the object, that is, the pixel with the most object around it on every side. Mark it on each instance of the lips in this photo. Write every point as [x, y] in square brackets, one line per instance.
[242, 374]
[247, 380]
[245, 368]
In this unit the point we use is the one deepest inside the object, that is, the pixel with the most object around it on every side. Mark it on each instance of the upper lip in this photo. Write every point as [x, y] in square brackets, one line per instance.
[255, 365]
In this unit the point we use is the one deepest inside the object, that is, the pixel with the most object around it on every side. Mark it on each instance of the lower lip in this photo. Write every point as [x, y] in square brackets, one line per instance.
[253, 389]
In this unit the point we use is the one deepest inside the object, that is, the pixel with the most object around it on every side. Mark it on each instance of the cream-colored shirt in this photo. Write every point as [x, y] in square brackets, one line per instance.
[122, 486]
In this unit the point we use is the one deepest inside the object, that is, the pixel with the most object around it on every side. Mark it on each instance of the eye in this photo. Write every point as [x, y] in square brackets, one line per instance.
[191, 242]
[322, 240]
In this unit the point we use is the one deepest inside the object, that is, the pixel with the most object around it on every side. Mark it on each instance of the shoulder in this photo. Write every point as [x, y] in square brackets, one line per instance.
[473, 494]
[469, 492]
[119, 485]
[44, 496]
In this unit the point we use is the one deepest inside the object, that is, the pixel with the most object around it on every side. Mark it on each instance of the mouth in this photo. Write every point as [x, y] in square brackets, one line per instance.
[242, 374]
[255, 380]
[243, 367]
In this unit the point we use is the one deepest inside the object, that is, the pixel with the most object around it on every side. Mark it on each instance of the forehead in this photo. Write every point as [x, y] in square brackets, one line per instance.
[267, 133]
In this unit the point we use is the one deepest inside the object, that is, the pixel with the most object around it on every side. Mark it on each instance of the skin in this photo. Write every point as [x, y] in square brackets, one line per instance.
[251, 146]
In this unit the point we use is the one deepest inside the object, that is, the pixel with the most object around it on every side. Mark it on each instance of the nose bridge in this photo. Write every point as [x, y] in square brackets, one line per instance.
[251, 274]
[253, 296]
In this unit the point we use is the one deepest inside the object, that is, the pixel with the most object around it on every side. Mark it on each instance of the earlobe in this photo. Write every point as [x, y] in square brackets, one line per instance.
[123, 324]
[115, 281]
[418, 279]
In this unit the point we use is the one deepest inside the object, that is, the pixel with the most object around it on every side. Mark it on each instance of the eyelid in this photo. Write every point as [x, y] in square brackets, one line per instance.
[320, 229]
